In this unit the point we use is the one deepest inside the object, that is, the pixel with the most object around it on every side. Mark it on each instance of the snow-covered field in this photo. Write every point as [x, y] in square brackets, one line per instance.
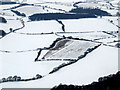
[51, 41]
[81, 25]
[73, 49]
[114, 19]
[89, 5]
[30, 10]
[7, 6]
[59, 6]
[22, 64]
[41, 27]
[18, 42]
[91, 35]
[101, 62]
[14, 24]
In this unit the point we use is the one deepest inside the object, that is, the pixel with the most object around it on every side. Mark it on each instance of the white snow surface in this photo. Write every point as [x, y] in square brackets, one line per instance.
[41, 27]
[101, 62]
[90, 35]
[14, 24]
[30, 10]
[18, 42]
[7, 6]
[91, 24]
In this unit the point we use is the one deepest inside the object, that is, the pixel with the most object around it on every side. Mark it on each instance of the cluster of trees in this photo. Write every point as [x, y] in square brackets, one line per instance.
[18, 13]
[118, 14]
[118, 45]
[34, 78]
[55, 16]
[88, 51]
[111, 82]
[18, 78]
[61, 66]
[3, 20]
[10, 79]
[90, 11]
[2, 33]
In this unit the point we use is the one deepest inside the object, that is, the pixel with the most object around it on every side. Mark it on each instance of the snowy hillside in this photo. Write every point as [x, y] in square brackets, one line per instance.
[67, 46]
[83, 72]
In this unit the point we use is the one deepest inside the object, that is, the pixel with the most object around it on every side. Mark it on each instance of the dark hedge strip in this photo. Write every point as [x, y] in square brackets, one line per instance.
[18, 13]
[111, 82]
[4, 3]
[90, 11]
[63, 26]
[55, 16]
